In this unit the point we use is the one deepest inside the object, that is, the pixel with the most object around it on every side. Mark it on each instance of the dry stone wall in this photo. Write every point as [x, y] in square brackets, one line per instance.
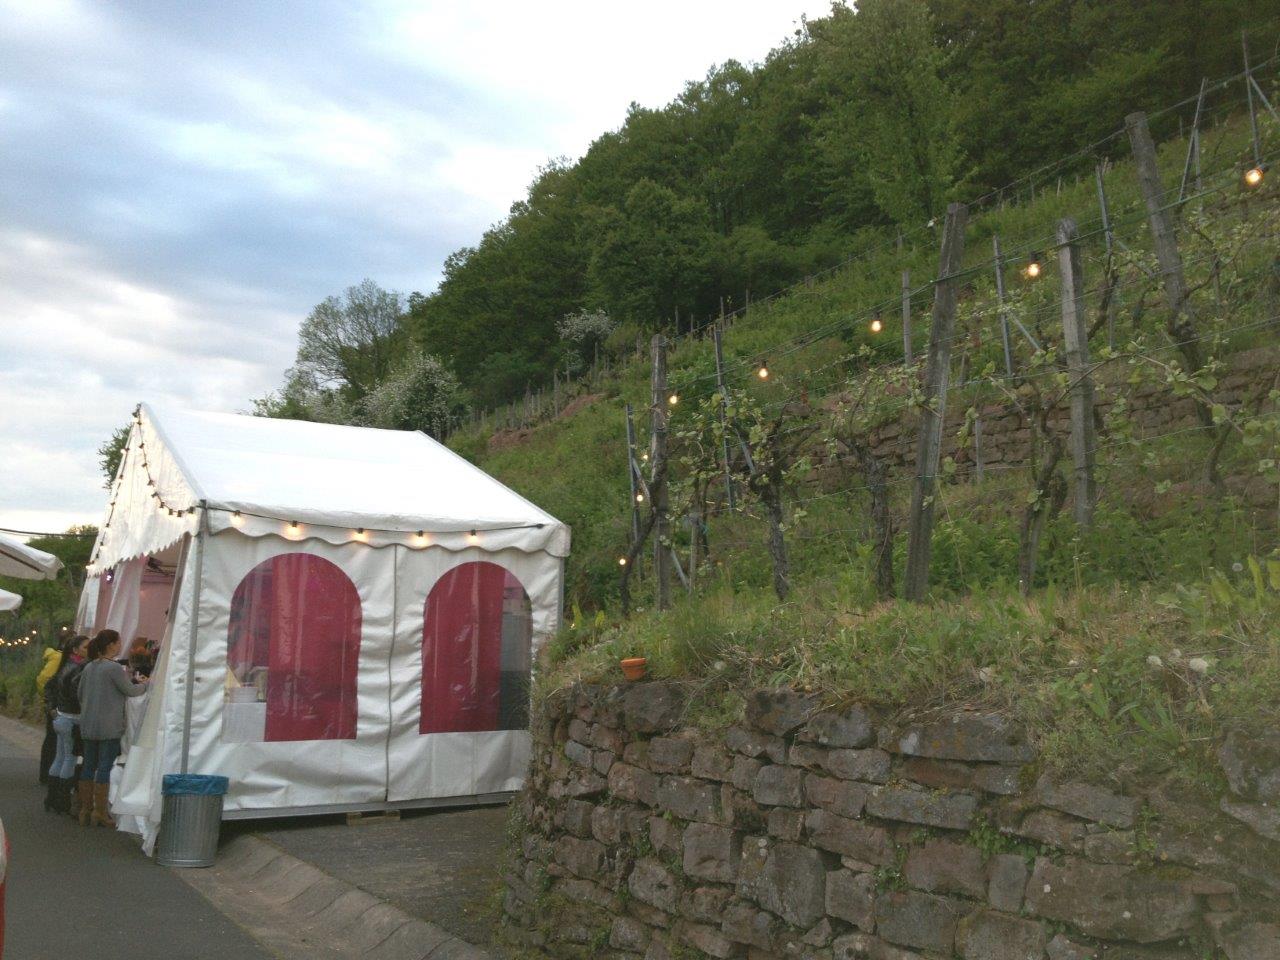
[1006, 438]
[815, 834]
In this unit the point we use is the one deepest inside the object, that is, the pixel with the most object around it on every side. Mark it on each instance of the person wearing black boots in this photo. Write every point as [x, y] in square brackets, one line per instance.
[62, 698]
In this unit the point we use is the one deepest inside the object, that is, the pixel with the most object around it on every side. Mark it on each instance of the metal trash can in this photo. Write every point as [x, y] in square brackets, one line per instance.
[190, 819]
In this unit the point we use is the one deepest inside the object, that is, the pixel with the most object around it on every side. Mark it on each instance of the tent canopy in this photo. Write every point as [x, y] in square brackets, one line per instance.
[295, 479]
[9, 601]
[26, 563]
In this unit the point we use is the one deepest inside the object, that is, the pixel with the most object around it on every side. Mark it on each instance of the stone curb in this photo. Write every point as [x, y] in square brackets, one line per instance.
[298, 911]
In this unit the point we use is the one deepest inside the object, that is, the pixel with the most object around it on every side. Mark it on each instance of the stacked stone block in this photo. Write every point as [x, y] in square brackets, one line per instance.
[822, 834]
[1006, 438]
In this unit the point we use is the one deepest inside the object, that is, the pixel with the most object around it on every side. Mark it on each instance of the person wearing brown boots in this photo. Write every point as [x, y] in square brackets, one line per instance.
[104, 685]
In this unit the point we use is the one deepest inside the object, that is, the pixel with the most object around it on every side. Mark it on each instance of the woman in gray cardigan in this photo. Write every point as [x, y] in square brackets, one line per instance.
[104, 687]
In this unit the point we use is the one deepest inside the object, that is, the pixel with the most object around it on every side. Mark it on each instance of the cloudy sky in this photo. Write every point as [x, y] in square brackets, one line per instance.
[181, 182]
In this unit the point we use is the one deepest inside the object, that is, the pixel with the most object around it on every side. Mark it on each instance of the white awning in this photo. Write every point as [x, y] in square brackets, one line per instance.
[9, 601]
[26, 563]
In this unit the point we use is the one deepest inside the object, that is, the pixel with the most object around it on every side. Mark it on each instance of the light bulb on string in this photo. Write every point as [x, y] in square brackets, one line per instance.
[622, 561]
[237, 519]
[876, 324]
[763, 372]
[1254, 175]
[1034, 267]
[673, 399]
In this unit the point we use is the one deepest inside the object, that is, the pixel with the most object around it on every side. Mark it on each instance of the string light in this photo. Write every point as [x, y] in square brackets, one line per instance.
[644, 458]
[237, 520]
[1033, 269]
[622, 561]
[673, 399]
[473, 537]
[763, 372]
[293, 524]
[876, 324]
[639, 498]
[1253, 176]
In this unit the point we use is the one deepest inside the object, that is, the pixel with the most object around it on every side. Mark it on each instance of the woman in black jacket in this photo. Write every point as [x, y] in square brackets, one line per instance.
[62, 700]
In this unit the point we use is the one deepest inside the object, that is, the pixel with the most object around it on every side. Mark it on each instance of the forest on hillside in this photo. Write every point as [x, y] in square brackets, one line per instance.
[756, 176]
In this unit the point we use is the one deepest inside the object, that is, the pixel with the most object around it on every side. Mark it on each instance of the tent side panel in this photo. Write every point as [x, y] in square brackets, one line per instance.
[229, 721]
[465, 616]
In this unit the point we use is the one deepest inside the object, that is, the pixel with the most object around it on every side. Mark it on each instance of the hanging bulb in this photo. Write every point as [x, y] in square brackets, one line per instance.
[1033, 269]
[639, 498]
[622, 561]
[236, 519]
[763, 372]
[876, 324]
[293, 524]
[1253, 176]
[673, 399]
[644, 458]
[473, 537]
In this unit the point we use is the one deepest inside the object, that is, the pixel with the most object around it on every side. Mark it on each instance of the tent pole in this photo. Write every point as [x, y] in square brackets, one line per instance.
[201, 534]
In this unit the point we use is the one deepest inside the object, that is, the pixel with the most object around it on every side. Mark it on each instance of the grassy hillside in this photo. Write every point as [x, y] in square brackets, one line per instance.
[818, 342]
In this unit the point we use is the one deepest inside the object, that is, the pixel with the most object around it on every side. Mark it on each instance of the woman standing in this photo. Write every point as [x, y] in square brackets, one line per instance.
[65, 714]
[63, 705]
[103, 688]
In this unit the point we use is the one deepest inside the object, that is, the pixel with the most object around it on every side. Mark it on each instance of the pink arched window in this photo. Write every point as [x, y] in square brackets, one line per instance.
[292, 652]
[477, 637]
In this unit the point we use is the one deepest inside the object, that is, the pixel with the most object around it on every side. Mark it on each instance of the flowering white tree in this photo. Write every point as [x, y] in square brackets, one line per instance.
[420, 394]
[584, 330]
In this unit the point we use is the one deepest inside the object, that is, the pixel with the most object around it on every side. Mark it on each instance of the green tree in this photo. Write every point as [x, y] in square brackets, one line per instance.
[348, 342]
[894, 117]
[645, 254]
[111, 451]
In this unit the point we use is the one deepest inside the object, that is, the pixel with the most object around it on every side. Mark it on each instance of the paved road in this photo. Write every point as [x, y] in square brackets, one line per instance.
[90, 893]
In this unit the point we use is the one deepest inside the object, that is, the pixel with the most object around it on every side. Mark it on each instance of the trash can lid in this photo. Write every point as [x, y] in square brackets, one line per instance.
[193, 785]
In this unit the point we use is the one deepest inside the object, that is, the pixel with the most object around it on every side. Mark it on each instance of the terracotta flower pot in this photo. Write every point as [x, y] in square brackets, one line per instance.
[633, 668]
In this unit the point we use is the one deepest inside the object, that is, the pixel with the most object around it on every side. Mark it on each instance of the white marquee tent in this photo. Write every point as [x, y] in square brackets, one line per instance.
[347, 617]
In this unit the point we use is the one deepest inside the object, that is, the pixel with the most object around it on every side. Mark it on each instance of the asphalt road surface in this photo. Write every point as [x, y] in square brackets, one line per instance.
[89, 894]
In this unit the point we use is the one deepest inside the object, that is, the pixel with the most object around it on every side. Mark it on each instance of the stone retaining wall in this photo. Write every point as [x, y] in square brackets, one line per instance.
[815, 834]
[1153, 409]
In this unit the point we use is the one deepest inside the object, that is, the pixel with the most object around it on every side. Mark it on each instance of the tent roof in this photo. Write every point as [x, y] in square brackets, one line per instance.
[390, 479]
[25, 562]
[295, 479]
[9, 601]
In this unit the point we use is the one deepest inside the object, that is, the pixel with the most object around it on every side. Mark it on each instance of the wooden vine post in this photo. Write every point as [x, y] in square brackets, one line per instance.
[933, 417]
[1075, 337]
[907, 357]
[1182, 325]
[659, 402]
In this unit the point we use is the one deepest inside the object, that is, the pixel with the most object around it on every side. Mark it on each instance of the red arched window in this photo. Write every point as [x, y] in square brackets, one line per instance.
[292, 651]
[476, 645]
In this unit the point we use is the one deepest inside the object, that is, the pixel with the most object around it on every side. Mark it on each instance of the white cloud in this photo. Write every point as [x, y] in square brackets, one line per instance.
[179, 184]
